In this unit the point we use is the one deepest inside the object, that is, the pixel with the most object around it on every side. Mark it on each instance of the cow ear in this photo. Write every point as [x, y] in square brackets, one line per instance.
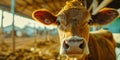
[44, 16]
[104, 16]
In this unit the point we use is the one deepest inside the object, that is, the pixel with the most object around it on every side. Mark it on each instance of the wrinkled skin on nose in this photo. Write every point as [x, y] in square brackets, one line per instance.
[74, 46]
[73, 30]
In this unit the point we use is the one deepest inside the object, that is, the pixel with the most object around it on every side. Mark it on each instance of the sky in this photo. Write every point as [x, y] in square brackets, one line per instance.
[19, 21]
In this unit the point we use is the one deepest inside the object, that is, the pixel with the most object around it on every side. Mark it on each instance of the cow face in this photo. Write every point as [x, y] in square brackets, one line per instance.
[73, 29]
[73, 23]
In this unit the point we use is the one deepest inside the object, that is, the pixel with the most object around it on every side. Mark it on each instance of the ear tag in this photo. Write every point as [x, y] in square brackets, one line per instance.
[47, 21]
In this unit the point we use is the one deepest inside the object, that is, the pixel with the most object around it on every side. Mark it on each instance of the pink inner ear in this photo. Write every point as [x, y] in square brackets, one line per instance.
[44, 17]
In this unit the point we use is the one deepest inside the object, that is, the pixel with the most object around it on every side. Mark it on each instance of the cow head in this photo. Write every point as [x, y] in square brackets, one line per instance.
[73, 23]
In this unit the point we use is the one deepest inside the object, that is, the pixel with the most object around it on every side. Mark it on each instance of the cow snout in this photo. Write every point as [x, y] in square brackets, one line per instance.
[74, 46]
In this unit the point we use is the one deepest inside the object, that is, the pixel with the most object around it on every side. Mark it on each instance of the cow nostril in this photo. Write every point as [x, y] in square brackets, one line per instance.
[66, 46]
[82, 45]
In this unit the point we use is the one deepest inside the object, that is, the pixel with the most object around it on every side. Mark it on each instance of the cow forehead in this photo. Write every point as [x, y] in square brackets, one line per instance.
[73, 10]
[74, 14]
[71, 4]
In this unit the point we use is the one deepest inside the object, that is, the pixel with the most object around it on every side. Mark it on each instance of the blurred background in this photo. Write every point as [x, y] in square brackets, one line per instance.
[22, 38]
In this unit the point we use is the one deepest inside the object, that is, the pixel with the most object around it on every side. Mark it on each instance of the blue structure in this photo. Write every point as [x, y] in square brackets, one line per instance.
[114, 26]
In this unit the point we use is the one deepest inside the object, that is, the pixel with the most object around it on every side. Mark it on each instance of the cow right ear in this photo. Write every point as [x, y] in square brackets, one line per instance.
[44, 16]
[104, 16]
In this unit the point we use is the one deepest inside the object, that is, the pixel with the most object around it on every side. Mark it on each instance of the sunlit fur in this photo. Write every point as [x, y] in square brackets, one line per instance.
[102, 46]
[73, 21]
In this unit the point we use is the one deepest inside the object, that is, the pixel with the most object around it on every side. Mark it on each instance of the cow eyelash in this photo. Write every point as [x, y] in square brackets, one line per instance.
[58, 22]
[89, 22]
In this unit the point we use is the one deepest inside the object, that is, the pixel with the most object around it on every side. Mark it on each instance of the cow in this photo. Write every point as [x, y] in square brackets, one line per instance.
[73, 23]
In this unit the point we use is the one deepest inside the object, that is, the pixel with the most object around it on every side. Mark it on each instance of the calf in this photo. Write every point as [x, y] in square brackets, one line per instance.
[73, 23]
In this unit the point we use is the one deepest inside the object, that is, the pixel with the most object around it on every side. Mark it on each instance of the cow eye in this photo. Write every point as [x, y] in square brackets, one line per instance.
[90, 21]
[58, 22]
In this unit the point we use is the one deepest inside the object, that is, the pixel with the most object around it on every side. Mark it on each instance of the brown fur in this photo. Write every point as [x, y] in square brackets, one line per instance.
[73, 20]
[101, 46]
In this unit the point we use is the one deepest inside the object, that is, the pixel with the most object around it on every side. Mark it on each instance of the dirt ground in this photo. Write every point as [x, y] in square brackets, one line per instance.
[43, 48]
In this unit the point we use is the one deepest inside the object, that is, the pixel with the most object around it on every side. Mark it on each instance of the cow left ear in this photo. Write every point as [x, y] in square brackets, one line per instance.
[104, 16]
[44, 16]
